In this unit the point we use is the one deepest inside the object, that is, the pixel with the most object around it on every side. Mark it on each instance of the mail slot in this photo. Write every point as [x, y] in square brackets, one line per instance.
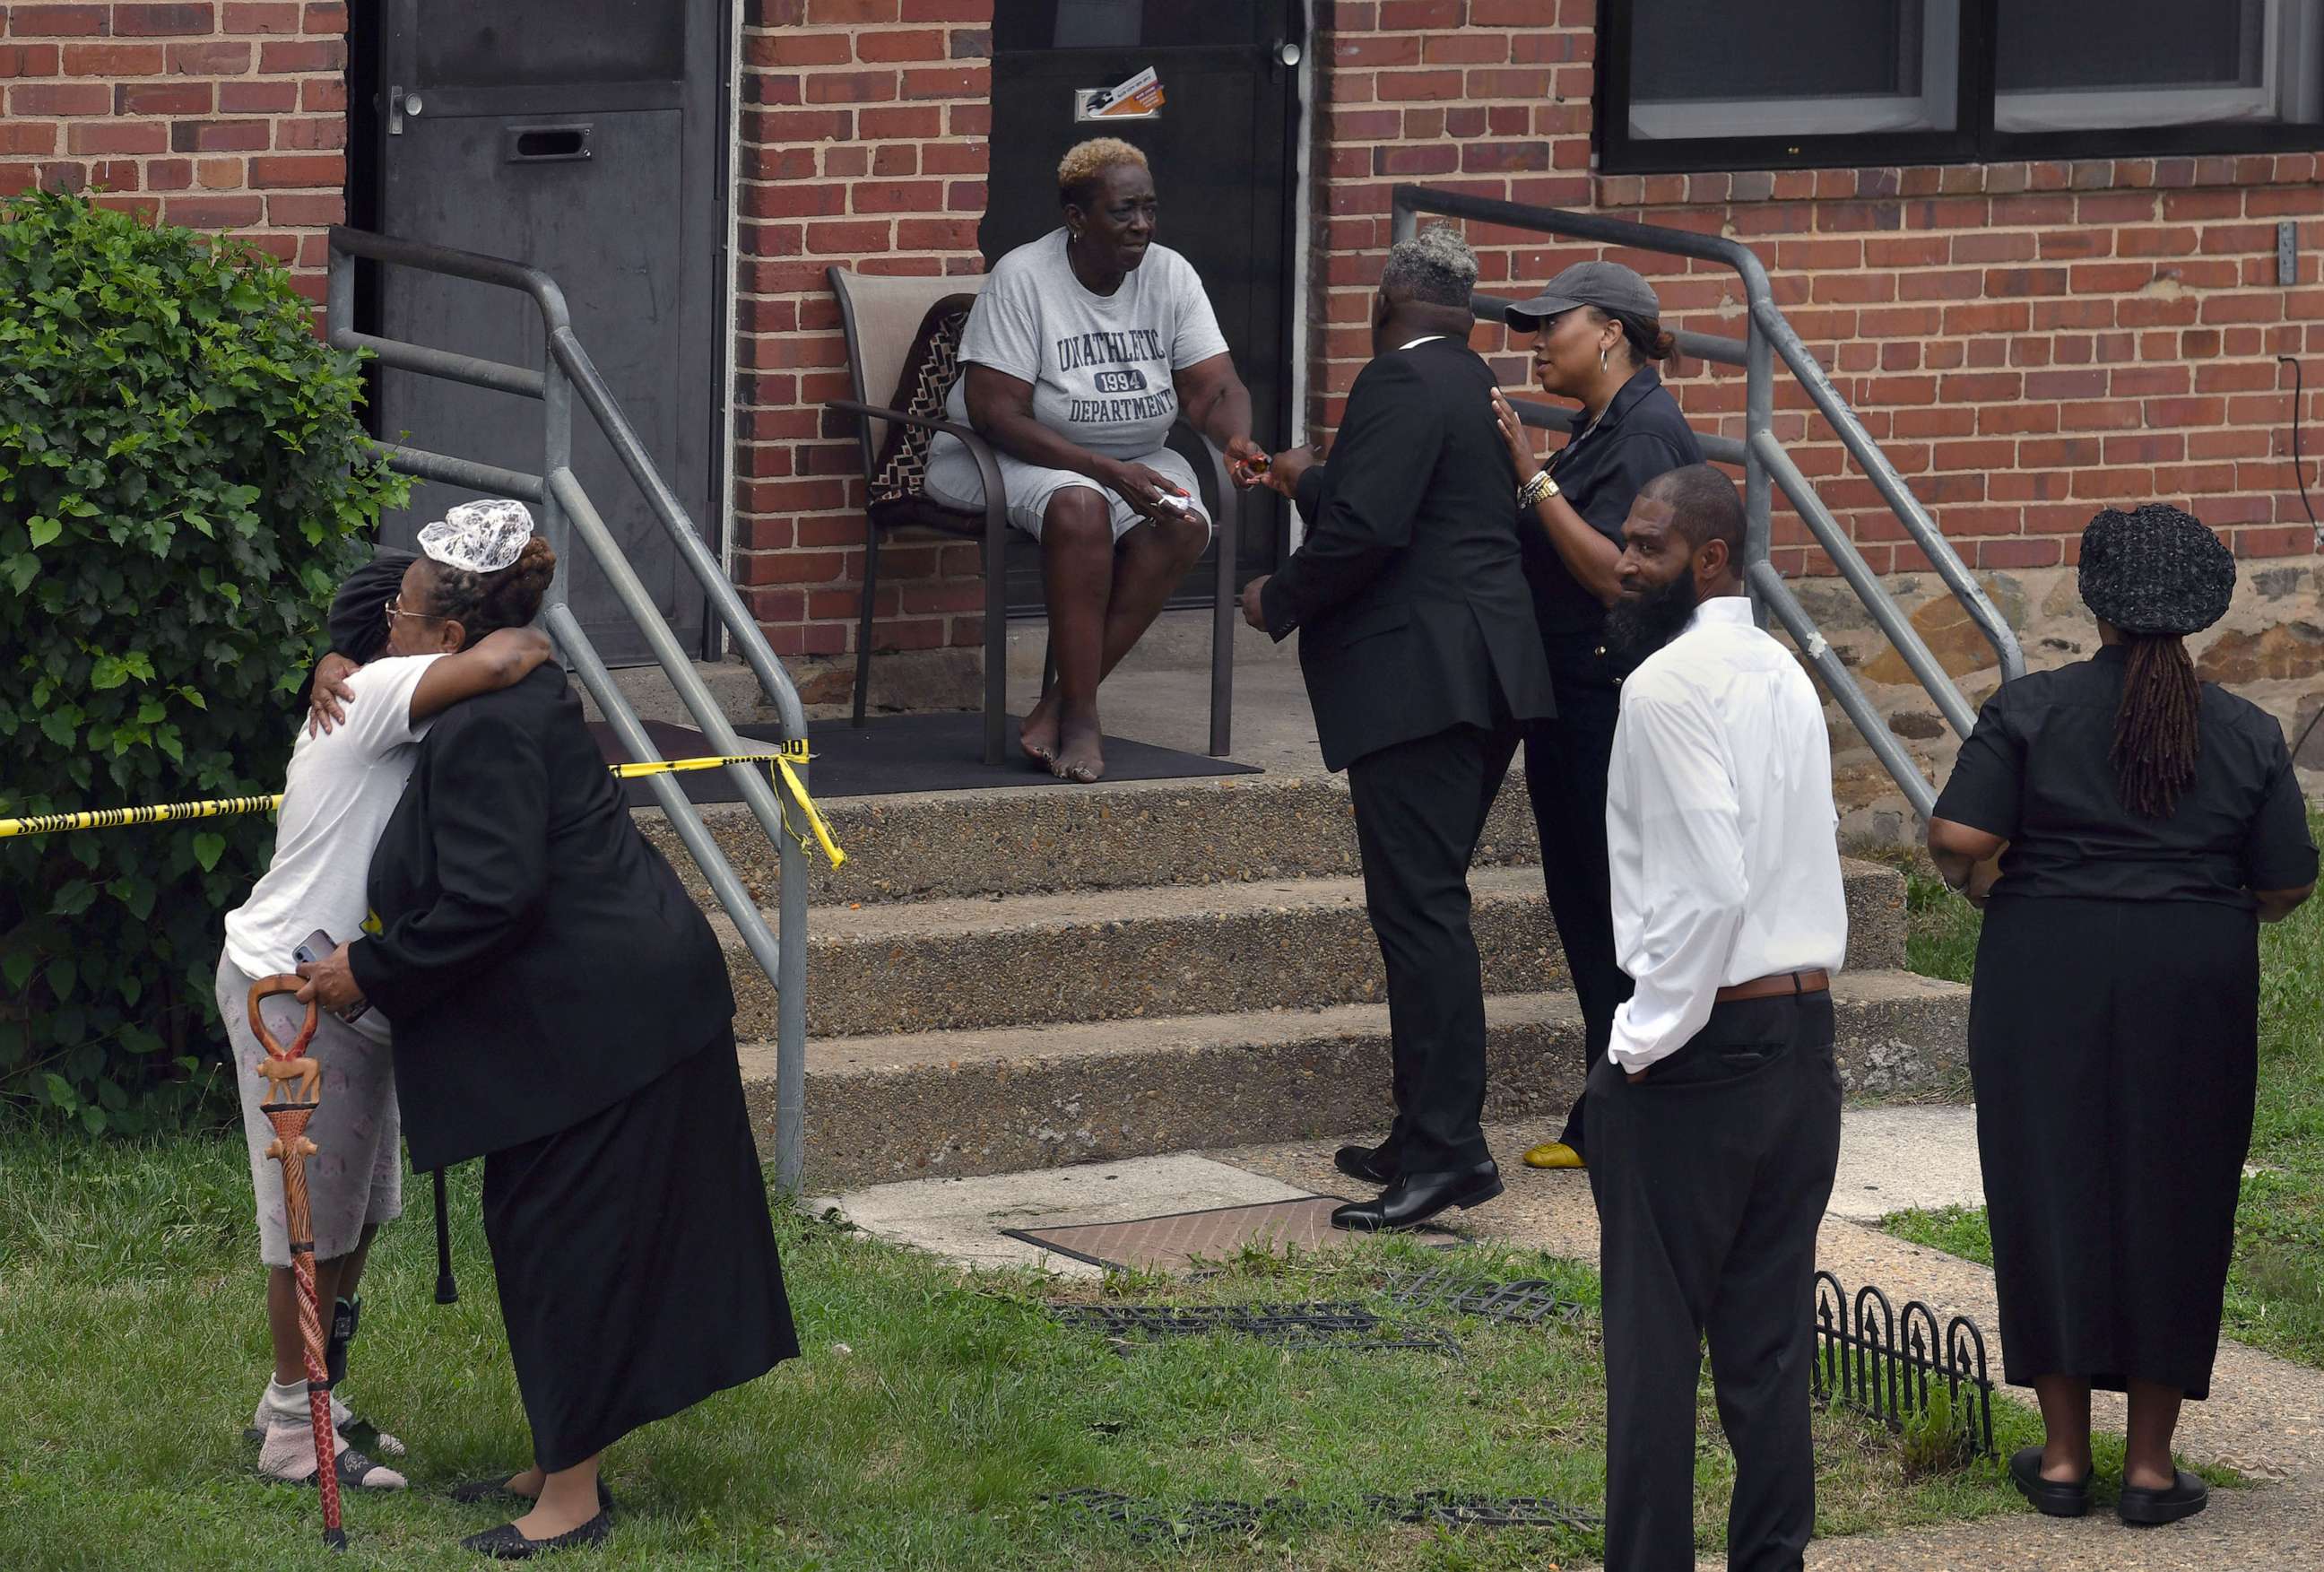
[545, 144]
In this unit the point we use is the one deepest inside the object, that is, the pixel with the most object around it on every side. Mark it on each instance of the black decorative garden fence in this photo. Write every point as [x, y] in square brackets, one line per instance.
[1890, 1366]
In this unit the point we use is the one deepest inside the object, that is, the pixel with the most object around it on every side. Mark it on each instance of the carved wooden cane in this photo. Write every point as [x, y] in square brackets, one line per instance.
[288, 1113]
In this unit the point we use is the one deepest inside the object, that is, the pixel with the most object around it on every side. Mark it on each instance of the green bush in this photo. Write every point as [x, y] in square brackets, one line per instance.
[183, 480]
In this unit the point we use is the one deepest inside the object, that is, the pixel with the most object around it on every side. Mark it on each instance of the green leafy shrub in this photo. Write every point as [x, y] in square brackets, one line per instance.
[183, 480]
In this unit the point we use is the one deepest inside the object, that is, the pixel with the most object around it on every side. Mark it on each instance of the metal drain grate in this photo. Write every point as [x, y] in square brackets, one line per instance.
[1151, 1521]
[1529, 1303]
[1338, 1325]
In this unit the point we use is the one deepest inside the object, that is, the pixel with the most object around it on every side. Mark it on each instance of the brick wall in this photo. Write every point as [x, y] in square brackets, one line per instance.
[219, 115]
[863, 144]
[2027, 342]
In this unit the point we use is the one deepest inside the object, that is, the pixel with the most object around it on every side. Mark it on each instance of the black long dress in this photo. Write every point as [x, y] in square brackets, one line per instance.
[562, 1010]
[2114, 1029]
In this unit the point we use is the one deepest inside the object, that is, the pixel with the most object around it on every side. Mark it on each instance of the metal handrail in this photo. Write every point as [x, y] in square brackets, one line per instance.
[1767, 466]
[567, 510]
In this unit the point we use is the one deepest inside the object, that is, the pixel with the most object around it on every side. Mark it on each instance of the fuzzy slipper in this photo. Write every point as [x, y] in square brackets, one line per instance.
[287, 1456]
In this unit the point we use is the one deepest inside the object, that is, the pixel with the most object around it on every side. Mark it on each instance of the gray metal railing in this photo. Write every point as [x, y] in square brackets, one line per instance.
[566, 510]
[1767, 466]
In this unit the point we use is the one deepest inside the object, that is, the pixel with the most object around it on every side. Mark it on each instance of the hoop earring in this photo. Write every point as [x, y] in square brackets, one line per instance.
[1602, 354]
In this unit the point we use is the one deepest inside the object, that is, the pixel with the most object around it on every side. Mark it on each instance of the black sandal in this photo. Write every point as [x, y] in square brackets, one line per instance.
[508, 1543]
[2142, 1507]
[2055, 1498]
[352, 1468]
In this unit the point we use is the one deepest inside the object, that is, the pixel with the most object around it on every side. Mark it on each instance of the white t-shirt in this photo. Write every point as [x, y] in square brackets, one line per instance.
[337, 799]
[1100, 366]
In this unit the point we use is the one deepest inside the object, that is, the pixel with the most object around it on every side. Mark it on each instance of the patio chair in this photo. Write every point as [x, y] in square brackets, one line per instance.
[894, 324]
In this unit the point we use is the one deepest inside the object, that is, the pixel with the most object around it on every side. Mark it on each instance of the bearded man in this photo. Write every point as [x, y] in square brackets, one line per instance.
[1713, 1121]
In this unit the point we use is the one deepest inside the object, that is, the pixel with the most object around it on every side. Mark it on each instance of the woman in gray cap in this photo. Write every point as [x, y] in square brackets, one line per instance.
[2131, 828]
[1598, 334]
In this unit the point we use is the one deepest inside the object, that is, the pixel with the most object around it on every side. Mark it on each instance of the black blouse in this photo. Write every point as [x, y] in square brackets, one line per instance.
[2036, 770]
[1600, 472]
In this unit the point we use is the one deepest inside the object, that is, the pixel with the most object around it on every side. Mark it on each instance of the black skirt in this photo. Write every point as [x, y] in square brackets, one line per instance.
[636, 1260]
[2114, 1046]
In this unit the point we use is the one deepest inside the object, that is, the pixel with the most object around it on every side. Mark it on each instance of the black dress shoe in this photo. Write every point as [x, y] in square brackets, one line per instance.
[2056, 1498]
[477, 1490]
[2144, 1508]
[508, 1543]
[1365, 1164]
[1415, 1198]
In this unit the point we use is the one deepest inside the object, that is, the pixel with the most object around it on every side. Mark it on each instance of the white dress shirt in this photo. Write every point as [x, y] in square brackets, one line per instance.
[1720, 823]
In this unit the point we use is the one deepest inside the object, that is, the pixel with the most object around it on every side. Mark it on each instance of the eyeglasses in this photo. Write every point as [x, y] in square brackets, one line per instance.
[394, 609]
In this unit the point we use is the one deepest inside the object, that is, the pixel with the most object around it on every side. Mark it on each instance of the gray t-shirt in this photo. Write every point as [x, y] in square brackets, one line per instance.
[1100, 365]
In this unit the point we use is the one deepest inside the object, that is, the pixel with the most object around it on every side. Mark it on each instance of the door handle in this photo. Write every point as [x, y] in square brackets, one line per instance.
[1284, 55]
[400, 104]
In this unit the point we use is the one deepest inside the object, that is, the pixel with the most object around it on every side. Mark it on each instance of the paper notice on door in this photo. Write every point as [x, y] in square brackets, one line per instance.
[1138, 99]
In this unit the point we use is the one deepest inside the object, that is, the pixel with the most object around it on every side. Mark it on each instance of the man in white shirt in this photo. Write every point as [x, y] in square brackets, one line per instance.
[1714, 1119]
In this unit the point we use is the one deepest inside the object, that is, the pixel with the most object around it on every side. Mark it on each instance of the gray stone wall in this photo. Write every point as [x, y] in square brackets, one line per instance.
[2269, 648]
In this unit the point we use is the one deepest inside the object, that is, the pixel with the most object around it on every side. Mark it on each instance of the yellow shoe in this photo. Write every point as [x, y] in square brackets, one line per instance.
[1552, 1154]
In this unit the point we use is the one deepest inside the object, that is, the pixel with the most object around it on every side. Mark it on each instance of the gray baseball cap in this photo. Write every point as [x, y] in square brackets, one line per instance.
[1607, 285]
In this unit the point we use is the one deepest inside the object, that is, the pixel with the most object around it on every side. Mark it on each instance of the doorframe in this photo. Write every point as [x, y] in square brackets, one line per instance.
[1299, 332]
[366, 180]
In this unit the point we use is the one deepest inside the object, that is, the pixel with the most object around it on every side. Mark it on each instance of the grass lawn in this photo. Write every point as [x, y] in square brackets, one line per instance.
[2276, 1290]
[931, 1415]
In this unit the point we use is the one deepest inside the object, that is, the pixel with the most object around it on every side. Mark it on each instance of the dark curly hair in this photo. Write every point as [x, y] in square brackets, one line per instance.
[485, 603]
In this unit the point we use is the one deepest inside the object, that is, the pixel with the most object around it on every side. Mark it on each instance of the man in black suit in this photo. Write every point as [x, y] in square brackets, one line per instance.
[1422, 661]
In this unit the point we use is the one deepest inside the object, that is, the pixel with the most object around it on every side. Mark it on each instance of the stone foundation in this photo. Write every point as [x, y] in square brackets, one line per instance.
[2269, 648]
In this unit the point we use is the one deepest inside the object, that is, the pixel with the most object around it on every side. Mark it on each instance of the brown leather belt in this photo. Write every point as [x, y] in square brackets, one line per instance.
[1777, 985]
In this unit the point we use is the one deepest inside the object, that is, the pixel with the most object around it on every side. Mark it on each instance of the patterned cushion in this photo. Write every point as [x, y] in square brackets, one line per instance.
[931, 366]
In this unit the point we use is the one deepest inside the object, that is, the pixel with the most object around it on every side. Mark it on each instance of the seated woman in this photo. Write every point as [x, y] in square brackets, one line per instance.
[562, 1010]
[2144, 825]
[342, 786]
[1084, 348]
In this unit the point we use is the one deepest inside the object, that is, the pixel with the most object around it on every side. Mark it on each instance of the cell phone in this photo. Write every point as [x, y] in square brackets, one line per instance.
[314, 947]
[1171, 499]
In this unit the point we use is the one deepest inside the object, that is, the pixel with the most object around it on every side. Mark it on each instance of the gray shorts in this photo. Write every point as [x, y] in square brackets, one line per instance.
[355, 1177]
[954, 480]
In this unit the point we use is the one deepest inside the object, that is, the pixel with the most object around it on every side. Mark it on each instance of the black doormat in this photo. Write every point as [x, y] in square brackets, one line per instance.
[901, 752]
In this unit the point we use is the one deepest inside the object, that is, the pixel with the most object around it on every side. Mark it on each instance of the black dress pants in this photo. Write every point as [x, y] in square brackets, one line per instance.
[1710, 1177]
[1567, 758]
[1420, 809]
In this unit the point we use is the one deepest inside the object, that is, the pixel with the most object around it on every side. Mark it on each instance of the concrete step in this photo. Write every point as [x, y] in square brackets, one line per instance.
[1042, 839]
[979, 1101]
[1024, 960]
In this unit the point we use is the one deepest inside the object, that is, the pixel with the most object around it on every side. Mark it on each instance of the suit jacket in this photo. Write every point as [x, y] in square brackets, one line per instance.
[540, 961]
[1409, 591]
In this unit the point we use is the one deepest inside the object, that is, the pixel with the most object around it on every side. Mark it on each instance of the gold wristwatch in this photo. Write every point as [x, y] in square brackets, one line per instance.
[1540, 487]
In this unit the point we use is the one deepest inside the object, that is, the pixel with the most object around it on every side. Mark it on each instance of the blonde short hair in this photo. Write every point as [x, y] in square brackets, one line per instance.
[1086, 161]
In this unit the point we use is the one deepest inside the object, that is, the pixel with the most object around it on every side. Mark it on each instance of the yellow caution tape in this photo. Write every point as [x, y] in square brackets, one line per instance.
[781, 762]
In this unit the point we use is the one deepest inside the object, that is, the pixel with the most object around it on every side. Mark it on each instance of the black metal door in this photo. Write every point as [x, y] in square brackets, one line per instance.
[1223, 154]
[585, 137]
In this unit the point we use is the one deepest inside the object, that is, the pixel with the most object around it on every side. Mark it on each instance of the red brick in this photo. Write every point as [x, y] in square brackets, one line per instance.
[142, 19]
[37, 137]
[302, 209]
[298, 169]
[920, 46]
[28, 59]
[324, 17]
[242, 16]
[829, 13]
[286, 58]
[59, 20]
[947, 81]
[115, 136]
[100, 59]
[257, 97]
[312, 135]
[209, 59]
[213, 212]
[850, 88]
[163, 97]
[59, 98]
[220, 136]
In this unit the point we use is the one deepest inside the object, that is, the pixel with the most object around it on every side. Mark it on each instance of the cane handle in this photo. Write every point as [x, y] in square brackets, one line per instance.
[267, 988]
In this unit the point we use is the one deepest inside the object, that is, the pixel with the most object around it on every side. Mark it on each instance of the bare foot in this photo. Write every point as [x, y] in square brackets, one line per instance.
[1081, 748]
[572, 1502]
[1038, 736]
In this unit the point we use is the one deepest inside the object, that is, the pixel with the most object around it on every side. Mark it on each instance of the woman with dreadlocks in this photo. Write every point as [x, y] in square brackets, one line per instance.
[2126, 829]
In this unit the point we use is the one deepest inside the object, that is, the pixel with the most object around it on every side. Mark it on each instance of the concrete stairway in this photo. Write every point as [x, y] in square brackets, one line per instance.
[1022, 978]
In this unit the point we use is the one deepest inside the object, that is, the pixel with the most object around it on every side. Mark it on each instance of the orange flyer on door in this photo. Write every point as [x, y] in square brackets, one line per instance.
[1141, 95]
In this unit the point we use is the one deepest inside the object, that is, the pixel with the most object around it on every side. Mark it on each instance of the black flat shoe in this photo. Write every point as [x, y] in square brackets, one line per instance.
[1415, 1198]
[2051, 1497]
[508, 1543]
[1365, 1164]
[477, 1490]
[2146, 1509]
